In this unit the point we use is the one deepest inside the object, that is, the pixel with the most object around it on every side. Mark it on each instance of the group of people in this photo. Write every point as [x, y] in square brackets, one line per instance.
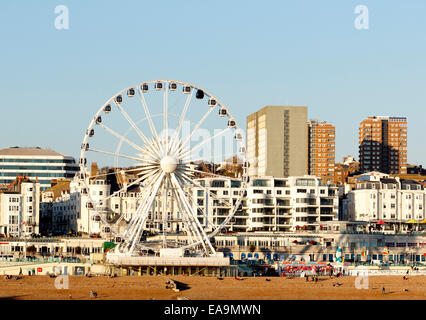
[8, 277]
[292, 270]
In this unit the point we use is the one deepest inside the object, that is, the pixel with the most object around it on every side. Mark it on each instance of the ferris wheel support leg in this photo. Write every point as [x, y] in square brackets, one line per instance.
[137, 216]
[136, 235]
[188, 230]
[187, 212]
[140, 217]
[192, 216]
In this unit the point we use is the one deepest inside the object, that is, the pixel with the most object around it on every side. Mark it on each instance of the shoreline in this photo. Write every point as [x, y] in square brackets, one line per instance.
[212, 288]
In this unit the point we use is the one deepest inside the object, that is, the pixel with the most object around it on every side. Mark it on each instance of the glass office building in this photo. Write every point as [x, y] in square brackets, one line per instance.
[43, 165]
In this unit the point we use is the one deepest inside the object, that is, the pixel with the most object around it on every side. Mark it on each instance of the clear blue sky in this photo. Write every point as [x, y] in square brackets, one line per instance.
[248, 53]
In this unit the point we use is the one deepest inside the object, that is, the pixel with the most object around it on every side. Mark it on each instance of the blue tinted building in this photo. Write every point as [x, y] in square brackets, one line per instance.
[43, 165]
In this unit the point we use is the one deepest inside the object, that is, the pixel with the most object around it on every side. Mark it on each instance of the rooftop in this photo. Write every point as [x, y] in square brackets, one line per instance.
[34, 151]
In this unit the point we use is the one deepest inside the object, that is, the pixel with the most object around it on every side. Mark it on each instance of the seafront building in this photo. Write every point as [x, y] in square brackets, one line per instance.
[43, 165]
[19, 209]
[397, 204]
[321, 150]
[383, 144]
[270, 204]
[277, 141]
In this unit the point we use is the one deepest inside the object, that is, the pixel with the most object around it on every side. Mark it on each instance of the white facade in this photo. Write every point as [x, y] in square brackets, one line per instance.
[390, 200]
[19, 210]
[270, 204]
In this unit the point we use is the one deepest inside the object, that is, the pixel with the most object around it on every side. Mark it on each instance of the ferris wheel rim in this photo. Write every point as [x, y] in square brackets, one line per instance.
[243, 155]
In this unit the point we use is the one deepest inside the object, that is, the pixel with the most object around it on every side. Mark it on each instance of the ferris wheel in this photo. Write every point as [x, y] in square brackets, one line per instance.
[164, 139]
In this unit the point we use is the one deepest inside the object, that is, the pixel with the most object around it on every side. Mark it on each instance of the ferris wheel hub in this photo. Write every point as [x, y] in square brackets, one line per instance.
[168, 164]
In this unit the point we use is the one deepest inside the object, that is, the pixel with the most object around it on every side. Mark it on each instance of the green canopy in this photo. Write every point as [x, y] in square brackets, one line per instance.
[108, 245]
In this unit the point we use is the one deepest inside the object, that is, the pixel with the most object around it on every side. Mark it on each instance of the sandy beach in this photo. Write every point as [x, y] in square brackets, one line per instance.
[210, 288]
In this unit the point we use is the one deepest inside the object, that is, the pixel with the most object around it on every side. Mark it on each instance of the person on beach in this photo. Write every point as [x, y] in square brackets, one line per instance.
[383, 290]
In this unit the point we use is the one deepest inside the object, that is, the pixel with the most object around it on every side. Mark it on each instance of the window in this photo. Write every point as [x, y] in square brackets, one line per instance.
[218, 184]
[259, 183]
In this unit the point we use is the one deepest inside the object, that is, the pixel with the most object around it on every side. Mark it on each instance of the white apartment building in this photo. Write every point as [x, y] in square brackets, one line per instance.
[19, 209]
[269, 204]
[391, 200]
[72, 211]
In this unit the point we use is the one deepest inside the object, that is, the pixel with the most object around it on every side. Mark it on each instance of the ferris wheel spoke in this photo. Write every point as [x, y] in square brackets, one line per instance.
[165, 120]
[139, 180]
[136, 128]
[175, 139]
[115, 154]
[189, 152]
[116, 172]
[207, 173]
[188, 160]
[119, 136]
[187, 139]
[148, 115]
[153, 157]
[210, 193]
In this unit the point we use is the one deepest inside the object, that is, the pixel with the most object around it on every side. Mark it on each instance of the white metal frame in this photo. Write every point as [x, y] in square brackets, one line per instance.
[163, 165]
